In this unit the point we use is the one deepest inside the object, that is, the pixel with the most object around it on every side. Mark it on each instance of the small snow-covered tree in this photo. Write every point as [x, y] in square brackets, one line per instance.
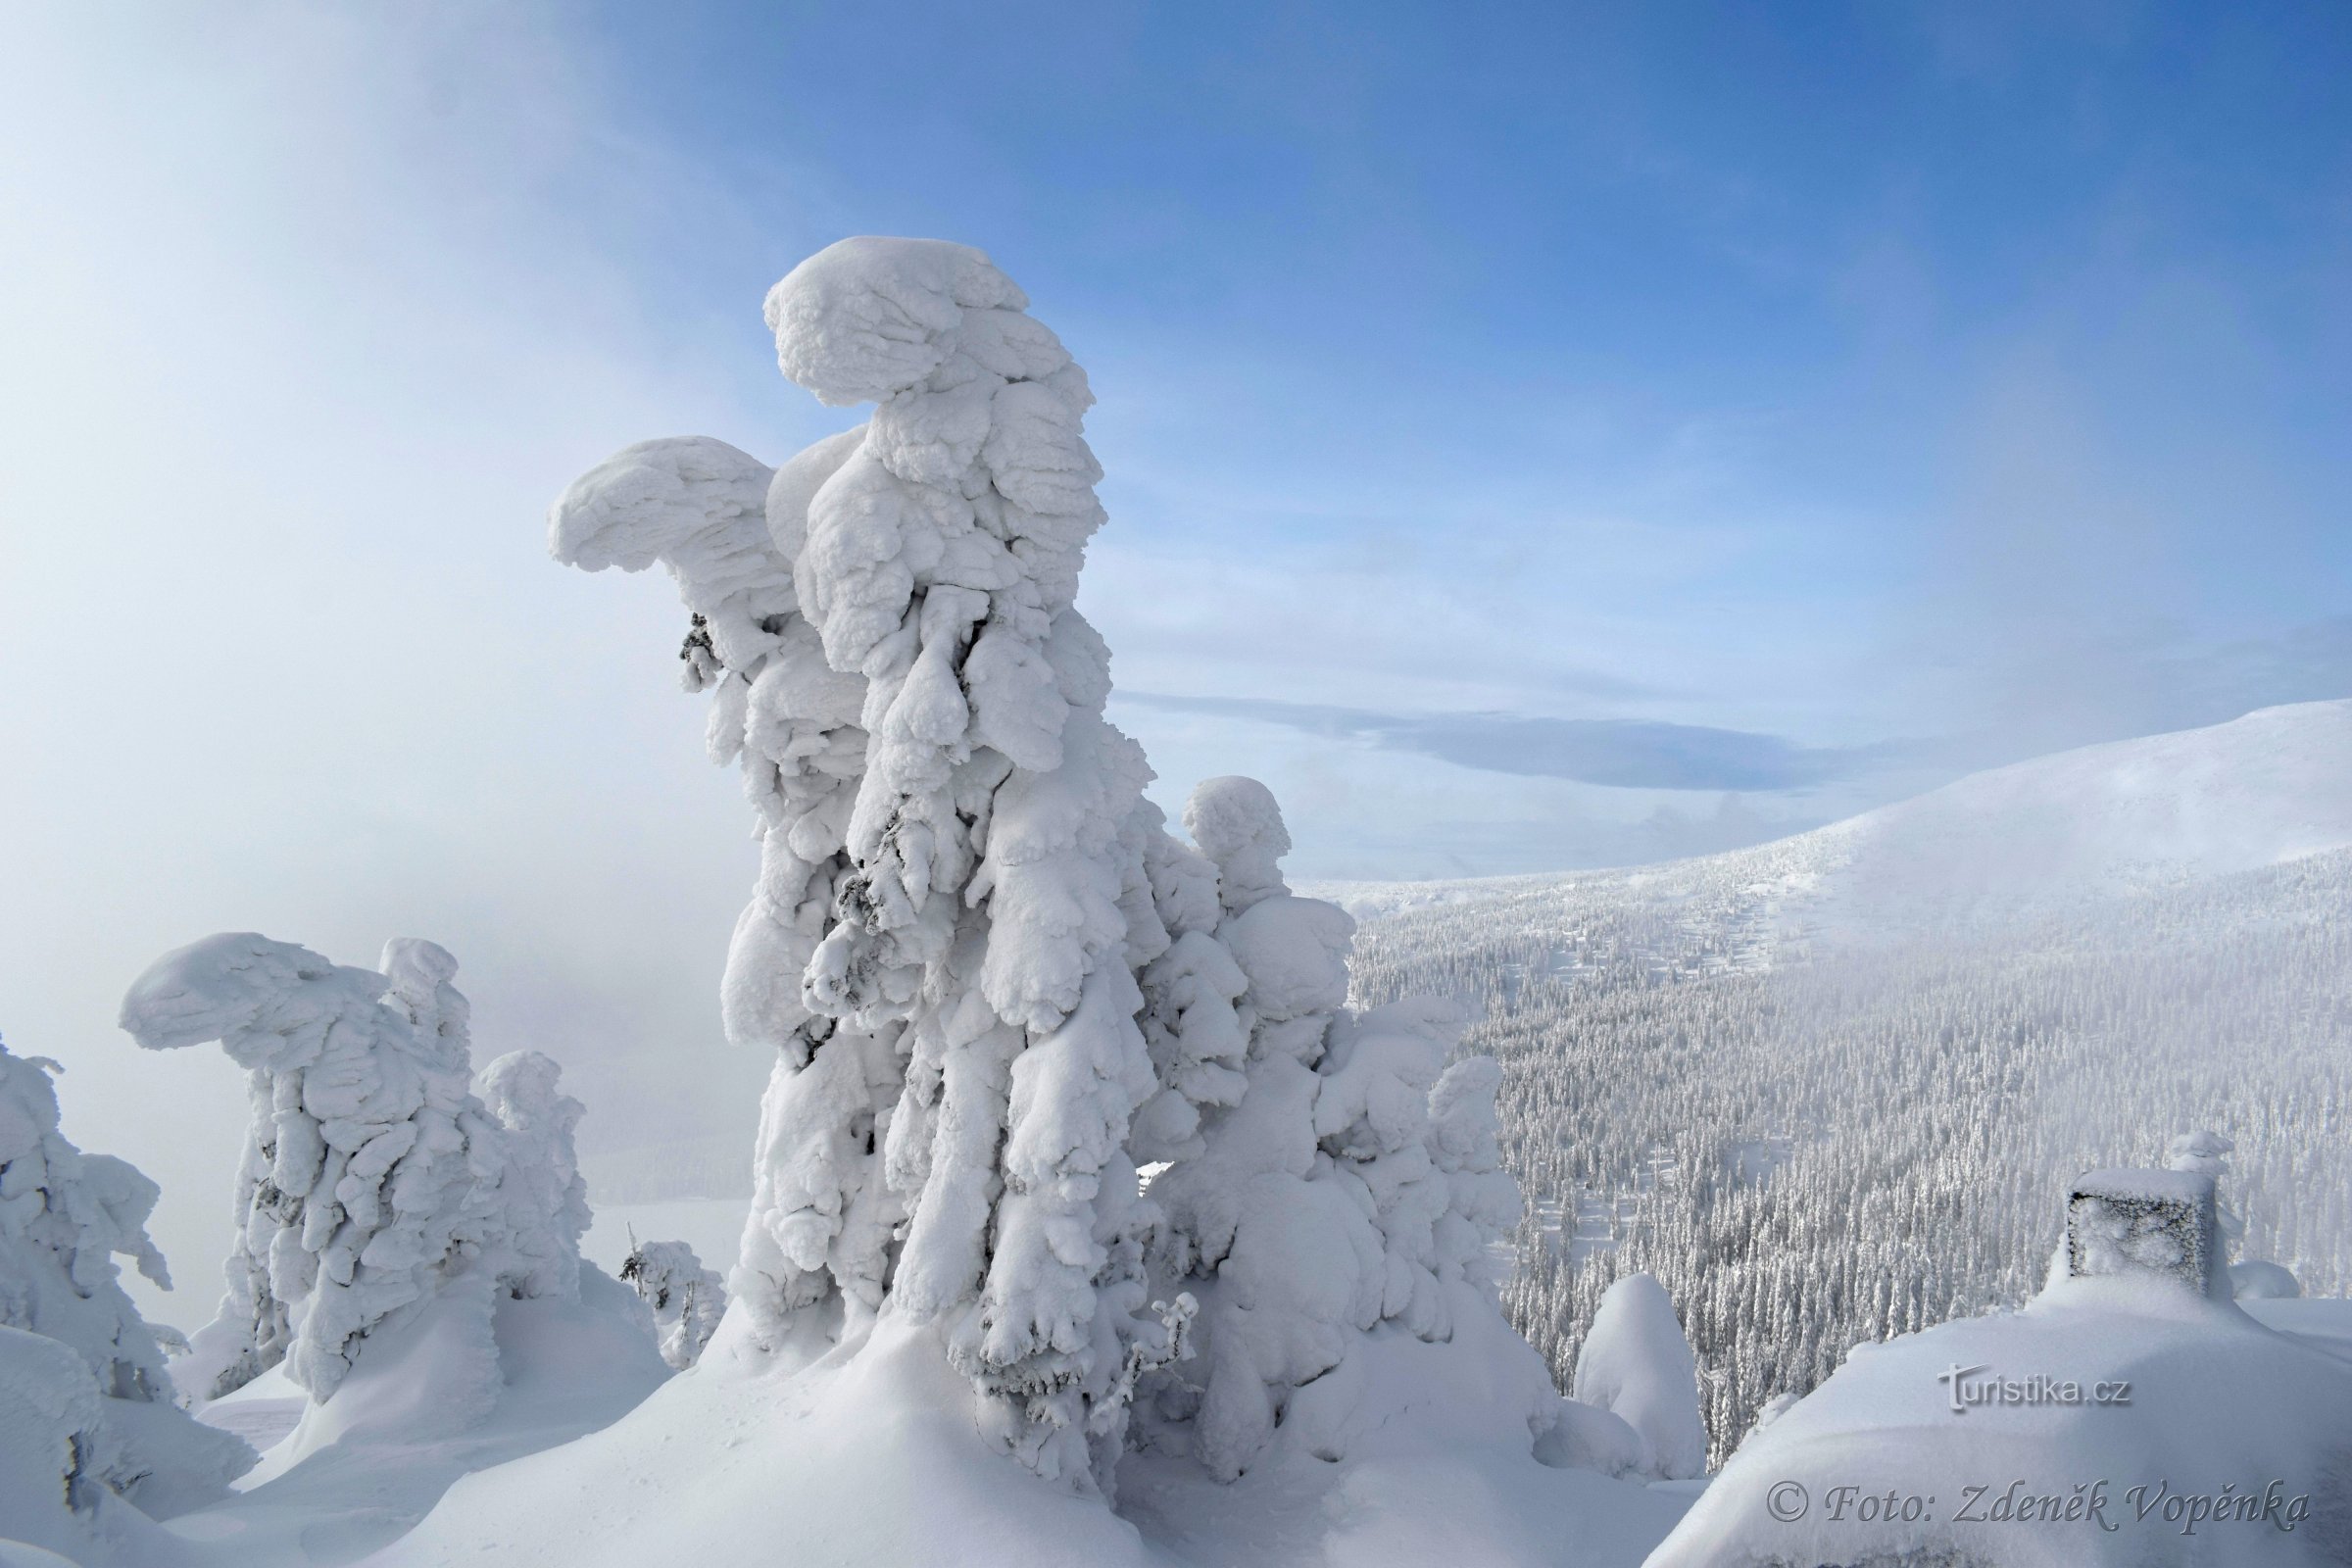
[1635, 1363]
[68, 1327]
[685, 1299]
[1284, 1260]
[542, 1201]
[371, 1174]
[1355, 1181]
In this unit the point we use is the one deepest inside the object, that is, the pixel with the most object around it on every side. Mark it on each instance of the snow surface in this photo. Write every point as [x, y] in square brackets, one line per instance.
[428, 1401]
[869, 1456]
[2220, 1405]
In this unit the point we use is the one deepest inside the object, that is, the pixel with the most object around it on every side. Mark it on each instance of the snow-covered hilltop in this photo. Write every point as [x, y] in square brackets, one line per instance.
[1999, 846]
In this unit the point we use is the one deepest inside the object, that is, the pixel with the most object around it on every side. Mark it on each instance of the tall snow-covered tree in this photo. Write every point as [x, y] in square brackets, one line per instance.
[993, 980]
[953, 891]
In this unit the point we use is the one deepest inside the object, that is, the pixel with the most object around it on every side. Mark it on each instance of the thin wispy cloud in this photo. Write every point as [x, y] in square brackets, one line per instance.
[1620, 752]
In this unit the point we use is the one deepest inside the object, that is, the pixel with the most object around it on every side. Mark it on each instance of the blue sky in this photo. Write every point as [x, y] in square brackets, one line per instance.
[1535, 437]
[1950, 382]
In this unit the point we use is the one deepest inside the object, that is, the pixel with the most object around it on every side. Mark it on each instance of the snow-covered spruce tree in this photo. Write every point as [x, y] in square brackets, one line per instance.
[1284, 1260]
[65, 1216]
[371, 1175]
[685, 1299]
[993, 981]
[956, 884]
[1354, 1182]
[541, 1201]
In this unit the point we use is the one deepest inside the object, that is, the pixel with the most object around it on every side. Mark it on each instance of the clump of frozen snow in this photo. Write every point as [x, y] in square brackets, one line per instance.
[685, 1299]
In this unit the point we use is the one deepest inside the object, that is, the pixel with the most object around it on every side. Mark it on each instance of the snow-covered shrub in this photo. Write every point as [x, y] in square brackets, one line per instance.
[371, 1174]
[73, 1348]
[686, 1300]
[1353, 1182]
[1635, 1363]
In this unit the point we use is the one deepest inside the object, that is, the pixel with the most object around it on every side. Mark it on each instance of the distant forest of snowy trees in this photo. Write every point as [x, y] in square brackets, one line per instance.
[1814, 1144]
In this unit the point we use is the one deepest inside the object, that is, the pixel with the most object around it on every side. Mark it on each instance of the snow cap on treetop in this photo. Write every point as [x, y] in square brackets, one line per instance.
[868, 316]
[224, 985]
[1237, 823]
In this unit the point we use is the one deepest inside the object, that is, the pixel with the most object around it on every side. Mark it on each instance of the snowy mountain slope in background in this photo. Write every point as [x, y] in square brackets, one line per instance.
[1828, 1089]
[2125, 817]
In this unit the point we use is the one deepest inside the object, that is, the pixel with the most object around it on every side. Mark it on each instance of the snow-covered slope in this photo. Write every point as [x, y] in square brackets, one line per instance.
[2157, 812]
[2011, 842]
[2039, 970]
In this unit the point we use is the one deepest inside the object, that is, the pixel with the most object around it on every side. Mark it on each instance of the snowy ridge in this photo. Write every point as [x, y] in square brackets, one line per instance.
[2009, 843]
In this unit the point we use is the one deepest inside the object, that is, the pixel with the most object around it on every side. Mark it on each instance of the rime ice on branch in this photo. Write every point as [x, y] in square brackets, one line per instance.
[371, 1174]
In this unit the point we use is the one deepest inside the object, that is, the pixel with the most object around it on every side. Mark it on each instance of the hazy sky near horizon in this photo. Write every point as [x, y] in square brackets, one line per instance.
[1535, 436]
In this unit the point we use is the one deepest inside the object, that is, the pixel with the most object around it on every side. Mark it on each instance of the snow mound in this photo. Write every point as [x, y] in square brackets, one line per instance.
[2194, 1435]
[464, 1384]
[869, 1455]
[1636, 1364]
